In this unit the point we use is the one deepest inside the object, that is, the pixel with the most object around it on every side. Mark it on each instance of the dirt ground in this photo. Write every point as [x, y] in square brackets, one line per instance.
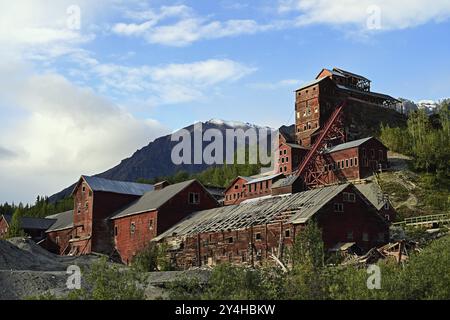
[27, 270]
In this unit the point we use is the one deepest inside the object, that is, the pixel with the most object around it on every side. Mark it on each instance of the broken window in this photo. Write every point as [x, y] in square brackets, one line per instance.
[287, 233]
[349, 197]
[150, 224]
[258, 236]
[194, 198]
[338, 207]
[132, 227]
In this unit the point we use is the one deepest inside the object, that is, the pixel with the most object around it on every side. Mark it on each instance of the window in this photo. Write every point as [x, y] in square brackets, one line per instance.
[230, 240]
[339, 164]
[116, 231]
[57, 240]
[365, 236]
[285, 151]
[386, 205]
[338, 207]
[356, 162]
[287, 233]
[281, 152]
[150, 224]
[316, 110]
[79, 208]
[351, 162]
[349, 197]
[86, 205]
[350, 235]
[387, 217]
[236, 187]
[281, 169]
[372, 154]
[132, 227]
[267, 184]
[282, 160]
[346, 163]
[298, 115]
[194, 198]
[83, 189]
[287, 159]
[285, 169]
[258, 236]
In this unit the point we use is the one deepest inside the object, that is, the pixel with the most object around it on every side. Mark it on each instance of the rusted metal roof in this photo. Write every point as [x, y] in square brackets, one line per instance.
[152, 200]
[64, 220]
[113, 186]
[296, 208]
[31, 223]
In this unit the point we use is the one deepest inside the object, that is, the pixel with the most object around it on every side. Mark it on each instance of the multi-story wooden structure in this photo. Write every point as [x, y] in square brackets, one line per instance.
[135, 225]
[252, 232]
[316, 101]
[60, 233]
[32, 227]
[94, 201]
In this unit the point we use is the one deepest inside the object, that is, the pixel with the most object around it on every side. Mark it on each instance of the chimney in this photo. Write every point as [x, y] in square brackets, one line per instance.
[160, 185]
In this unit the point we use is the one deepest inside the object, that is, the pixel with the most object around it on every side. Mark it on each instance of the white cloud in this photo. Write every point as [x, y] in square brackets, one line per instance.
[68, 131]
[282, 84]
[164, 84]
[187, 28]
[397, 14]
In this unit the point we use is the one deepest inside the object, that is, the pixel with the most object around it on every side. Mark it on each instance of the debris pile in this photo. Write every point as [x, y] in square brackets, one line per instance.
[398, 251]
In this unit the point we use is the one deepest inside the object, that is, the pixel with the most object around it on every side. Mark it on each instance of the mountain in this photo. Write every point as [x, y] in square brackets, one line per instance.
[154, 160]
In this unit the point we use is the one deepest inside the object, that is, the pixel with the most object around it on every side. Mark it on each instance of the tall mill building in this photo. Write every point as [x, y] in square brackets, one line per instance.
[316, 101]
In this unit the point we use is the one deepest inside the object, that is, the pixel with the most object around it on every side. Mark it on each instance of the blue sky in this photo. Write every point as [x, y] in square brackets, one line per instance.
[78, 100]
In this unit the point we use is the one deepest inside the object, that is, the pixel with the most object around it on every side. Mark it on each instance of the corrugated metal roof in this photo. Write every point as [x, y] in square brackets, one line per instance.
[348, 73]
[289, 180]
[121, 187]
[373, 193]
[32, 223]
[348, 145]
[301, 207]
[297, 146]
[370, 93]
[64, 220]
[264, 178]
[152, 200]
[311, 83]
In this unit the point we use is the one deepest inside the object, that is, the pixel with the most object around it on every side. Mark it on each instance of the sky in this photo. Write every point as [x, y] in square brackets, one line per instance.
[86, 83]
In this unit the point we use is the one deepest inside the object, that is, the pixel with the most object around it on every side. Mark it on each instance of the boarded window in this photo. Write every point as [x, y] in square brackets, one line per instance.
[349, 197]
[194, 198]
[338, 207]
[287, 233]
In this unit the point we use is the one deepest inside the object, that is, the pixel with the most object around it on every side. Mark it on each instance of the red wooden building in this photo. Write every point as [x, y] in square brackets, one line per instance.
[252, 232]
[59, 234]
[316, 101]
[156, 211]
[94, 200]
[32, 227]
